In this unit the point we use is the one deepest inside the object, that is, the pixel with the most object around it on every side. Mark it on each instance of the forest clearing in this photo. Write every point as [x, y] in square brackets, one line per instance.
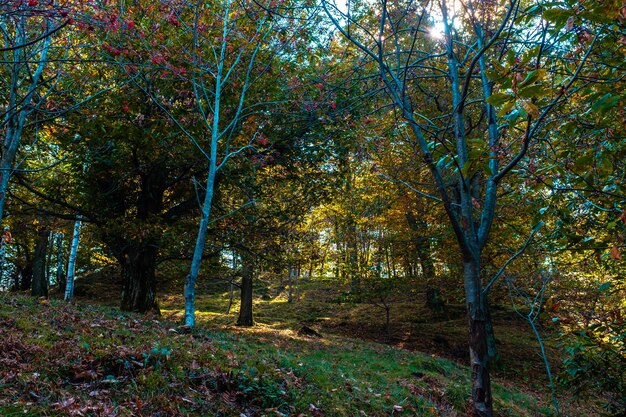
[313, 208]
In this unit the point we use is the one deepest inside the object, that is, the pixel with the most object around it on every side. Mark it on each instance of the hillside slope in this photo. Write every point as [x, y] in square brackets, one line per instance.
[60, 360]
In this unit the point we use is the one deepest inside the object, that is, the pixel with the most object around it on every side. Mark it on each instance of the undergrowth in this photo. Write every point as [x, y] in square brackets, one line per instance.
[60, 360]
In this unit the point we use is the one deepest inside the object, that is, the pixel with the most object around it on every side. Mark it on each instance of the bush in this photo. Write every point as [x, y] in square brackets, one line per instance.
[595, 364]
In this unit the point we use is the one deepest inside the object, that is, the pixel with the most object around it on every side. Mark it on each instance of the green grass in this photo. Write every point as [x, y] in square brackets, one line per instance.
[60, 359]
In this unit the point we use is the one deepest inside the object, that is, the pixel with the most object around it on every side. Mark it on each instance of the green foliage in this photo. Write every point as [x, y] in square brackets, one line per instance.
[595, 363]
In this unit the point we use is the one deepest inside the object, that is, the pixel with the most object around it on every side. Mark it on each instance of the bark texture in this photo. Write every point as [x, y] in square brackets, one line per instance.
[245, 310]
[139, 278]
[481, 400]
[40, 278]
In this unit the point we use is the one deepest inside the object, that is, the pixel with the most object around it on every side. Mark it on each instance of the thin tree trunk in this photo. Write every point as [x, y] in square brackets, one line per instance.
[231, 293]
[49, 253]
[245, 309]
[40, 279]
[290, 282]
[298, 273]
[71, 263]
[192, 277]
[19, 107]
[61, 278]
[4, 241]
[231, 296]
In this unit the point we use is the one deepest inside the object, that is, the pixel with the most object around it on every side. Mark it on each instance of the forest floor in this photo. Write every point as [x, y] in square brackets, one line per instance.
[93, 360]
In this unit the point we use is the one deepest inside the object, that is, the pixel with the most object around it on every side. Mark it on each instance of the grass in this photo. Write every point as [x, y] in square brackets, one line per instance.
[61, 359]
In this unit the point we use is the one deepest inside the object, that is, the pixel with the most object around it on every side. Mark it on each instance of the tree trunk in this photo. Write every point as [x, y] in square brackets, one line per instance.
[481, 400]
[387, 308]
[71, 263]
[298, 274]
[245, 309]
[290, 273]
[433, 299]
[231, 290]
[309, 274]
[40, 278]
[23, 272]
[61, 277]
[192, 276]
[139, 278]
[492, 349]
[231, 296]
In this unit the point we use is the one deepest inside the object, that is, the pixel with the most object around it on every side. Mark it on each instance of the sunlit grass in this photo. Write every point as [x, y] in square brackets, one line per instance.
[338, 375]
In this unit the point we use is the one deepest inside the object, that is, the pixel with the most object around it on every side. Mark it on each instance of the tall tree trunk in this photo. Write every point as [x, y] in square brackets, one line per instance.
[40, 279]
[424, 255]
[139, 278]
[482, 402]
[192, 276]
[353, 259]
[231, 289]
[26, 276]
[49, 253]
[290, 273]
[309, 274]
[245, 309]
[61, 277]
[4, 241]
[231, 296]
[298, 274]
[71, 263]
[19, 106]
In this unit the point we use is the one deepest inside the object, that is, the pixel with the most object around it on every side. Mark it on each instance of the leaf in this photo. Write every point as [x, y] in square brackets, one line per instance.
[604, 286]
[506, 108]
[605, 103]
[623, 216]
[615, 253]
[583, 162]
[556, 15]
[531, 77]
[499, 99]
[530, 108]
[535, 90]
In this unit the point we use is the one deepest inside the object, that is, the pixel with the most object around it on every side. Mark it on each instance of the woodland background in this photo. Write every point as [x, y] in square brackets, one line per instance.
[403, 172]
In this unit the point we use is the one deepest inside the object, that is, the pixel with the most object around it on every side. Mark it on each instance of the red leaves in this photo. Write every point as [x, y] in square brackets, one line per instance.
[158, 59]
[262, 140]
[32, 3]
[113, 51]
[173, 19]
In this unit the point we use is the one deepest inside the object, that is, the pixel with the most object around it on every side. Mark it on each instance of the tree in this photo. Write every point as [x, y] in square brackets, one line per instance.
[493, 114]
[40, 282]
[29, 31]
[218, 57]
[71, 263]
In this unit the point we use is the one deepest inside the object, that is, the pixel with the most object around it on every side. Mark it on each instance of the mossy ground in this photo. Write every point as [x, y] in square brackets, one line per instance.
[82, 359]
[61, 359]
